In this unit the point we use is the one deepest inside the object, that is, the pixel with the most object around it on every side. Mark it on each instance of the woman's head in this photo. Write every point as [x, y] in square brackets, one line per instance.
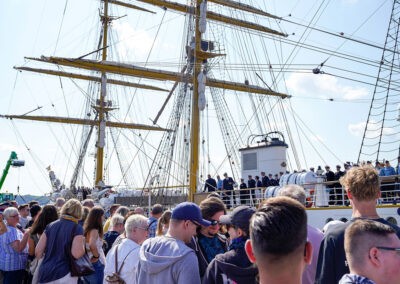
[49, 214]
[94, 221]
[11, 215]
[85, 213]
[72, 208]
[163, 223]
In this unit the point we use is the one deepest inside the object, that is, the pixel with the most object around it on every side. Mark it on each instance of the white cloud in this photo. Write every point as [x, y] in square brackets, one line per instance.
[323, 86]
[131, 41]
[357, 129]
[10, 147]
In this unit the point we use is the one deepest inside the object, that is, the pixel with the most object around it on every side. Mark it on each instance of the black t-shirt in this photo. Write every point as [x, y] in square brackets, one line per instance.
[332, 263]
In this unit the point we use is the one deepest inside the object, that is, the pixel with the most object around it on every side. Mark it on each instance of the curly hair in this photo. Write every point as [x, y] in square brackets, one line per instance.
[362, 182]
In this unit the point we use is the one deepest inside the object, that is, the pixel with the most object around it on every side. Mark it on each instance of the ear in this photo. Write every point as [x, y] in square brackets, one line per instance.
[349, 195]
[308, 252]
[239, 232]
[249, 251]
[374, 256]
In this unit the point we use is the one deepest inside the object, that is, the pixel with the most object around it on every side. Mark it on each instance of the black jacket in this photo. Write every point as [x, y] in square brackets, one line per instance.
[231, 267]
[203, 263]
[211, 185]
[332, 263]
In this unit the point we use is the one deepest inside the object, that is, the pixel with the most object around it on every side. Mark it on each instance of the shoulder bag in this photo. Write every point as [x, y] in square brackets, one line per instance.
[81, 266]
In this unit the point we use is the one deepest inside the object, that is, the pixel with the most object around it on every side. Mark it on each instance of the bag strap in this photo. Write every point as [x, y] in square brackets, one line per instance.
[123, 262]
[116, 259]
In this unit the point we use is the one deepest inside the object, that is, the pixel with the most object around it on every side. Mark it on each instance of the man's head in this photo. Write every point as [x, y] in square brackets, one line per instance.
[122, 210]
[212, 209]
[88, 203]
[387, 163]
[225, 175]
[60, 201]
[33, 202]
[338, 167]
[139, 210]
[208, 176]
[373, 251]
[262, 174]
[185, 219]
[23, 210]
[114, 208]
[361, 183]
[294, 191]
[157, 211]
[250, 177]
[117, 223]
[270, 246]
[238, 221]
[136, 228]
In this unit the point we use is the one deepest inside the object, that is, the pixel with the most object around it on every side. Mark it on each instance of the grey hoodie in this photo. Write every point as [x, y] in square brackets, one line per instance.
[165, 260]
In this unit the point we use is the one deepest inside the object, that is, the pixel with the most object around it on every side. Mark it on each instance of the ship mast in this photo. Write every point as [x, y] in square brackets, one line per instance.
[187, 76]
[195, 123]
[101, 103]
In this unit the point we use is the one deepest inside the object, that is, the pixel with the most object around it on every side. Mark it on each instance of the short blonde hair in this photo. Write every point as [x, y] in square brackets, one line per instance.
[135, 221]
[73, 208]
[363, 183]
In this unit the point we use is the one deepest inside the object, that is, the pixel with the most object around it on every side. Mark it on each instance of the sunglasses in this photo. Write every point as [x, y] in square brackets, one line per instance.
[214, 222]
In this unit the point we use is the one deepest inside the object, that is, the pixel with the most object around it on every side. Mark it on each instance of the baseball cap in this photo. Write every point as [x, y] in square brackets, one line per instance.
[240, 217]
[189, 211]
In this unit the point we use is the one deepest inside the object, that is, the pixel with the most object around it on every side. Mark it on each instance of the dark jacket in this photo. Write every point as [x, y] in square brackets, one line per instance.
[211, 185]
[231, 267]
[227, 183]
[332, 263]
[251, 183]
[265, 181]
[203, 263]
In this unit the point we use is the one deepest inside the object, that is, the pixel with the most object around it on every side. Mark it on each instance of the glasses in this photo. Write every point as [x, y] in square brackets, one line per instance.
[389, 248]
[145, 229]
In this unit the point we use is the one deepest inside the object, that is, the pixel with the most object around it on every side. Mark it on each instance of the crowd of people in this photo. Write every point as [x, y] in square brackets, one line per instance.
[202, 243]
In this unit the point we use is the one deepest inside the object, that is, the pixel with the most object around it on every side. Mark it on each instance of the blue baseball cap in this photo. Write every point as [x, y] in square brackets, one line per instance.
[189, 211]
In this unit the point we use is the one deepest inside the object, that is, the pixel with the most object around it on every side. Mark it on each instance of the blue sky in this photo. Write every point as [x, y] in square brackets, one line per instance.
[38, 28]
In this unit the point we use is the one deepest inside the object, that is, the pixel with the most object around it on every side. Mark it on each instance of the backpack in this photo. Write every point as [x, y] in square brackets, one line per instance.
[115, 278]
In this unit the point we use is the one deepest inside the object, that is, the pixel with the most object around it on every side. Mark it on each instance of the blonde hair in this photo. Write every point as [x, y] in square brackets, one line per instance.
[363, 183]
[72, 207]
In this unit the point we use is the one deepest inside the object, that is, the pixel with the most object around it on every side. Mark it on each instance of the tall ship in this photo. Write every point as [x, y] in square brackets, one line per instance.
[140, 101]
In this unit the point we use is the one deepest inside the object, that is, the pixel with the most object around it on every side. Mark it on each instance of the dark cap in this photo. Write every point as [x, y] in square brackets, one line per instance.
[189, 211]
[338, 166]
[240, 217]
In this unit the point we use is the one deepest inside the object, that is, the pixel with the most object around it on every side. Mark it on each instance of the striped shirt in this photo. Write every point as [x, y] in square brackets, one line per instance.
[11, 260]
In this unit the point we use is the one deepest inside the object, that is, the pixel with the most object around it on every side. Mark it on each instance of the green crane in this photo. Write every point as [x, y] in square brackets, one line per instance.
[12, 161]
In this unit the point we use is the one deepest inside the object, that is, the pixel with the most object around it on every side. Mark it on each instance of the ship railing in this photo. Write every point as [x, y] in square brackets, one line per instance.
[327, 194]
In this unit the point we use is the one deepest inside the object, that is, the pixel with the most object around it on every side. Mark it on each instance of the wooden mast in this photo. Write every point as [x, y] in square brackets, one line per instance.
[195, 120]
[100, 107]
